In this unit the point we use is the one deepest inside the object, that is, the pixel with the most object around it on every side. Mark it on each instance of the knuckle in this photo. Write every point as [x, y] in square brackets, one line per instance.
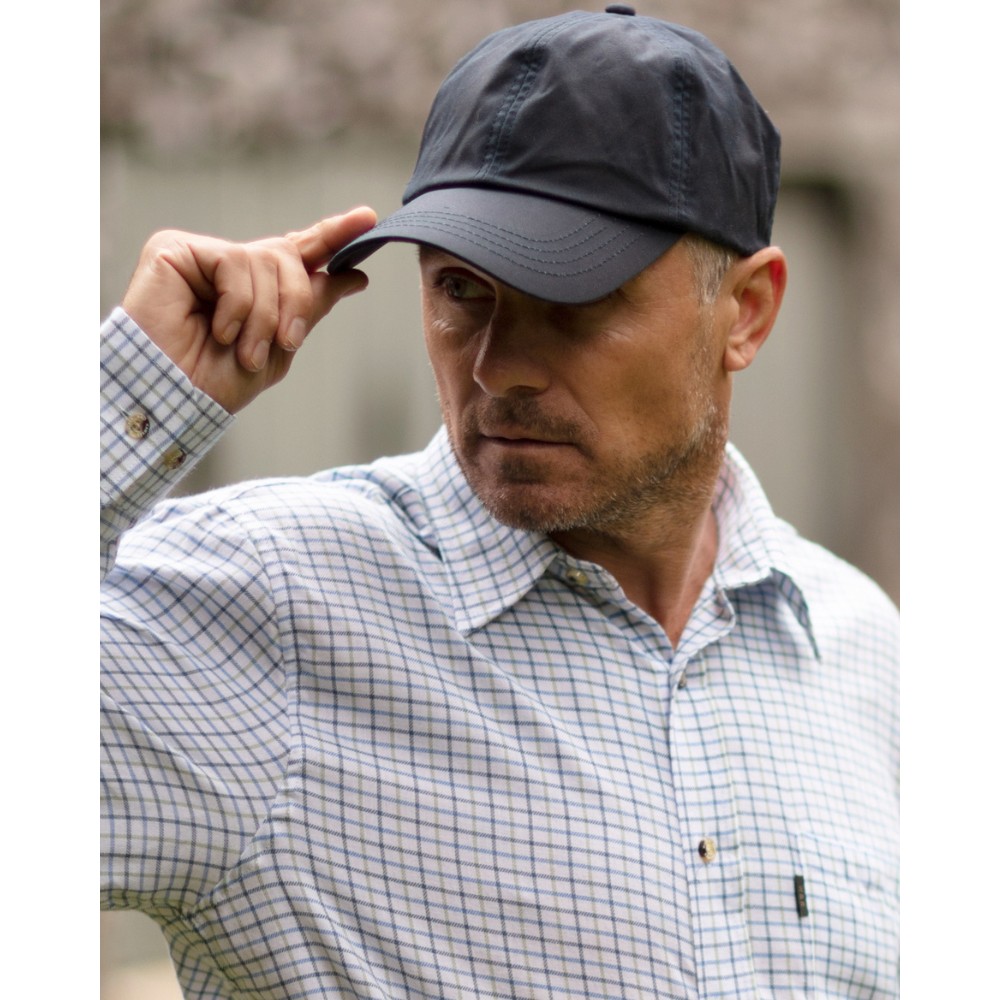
[288, 252]
[237, 254]
[263, 316]
[164, 238]
[275, 248]
[162, 246]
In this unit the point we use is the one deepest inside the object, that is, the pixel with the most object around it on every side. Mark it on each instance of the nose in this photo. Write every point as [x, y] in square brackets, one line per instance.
[511, 359]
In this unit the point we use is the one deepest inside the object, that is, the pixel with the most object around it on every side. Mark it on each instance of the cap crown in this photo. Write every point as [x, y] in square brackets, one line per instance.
[629, 115]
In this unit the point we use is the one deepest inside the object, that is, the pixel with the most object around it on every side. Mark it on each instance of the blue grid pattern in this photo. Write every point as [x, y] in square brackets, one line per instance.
[363, 741]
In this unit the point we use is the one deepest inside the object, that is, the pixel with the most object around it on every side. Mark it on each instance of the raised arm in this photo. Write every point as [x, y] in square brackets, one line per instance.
[229, 317]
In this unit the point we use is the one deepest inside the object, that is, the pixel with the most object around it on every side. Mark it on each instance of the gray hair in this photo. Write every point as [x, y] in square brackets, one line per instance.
[711, 261]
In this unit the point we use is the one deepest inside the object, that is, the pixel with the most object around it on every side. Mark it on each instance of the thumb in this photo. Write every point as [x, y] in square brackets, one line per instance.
[323, 239]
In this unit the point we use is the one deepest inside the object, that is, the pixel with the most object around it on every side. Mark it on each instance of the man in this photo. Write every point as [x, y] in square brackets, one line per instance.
[556, 707]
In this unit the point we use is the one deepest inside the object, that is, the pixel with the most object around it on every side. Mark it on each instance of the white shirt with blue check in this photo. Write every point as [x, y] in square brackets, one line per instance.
[361, 740]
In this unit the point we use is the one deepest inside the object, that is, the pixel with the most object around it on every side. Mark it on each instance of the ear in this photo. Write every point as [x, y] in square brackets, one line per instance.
[757, 285]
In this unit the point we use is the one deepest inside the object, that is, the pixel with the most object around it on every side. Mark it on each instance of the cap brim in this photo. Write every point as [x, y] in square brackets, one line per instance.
[546, 248]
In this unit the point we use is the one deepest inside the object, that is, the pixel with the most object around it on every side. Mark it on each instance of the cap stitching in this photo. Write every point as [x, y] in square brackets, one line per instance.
[491, 229]
[502, 237]
[506, 117]
[682, 123]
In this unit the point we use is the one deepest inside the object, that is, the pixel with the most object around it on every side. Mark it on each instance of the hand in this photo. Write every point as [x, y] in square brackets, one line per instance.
[232, 315]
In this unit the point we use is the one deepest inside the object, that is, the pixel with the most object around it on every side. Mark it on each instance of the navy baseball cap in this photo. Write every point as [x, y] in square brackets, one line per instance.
[563, 156]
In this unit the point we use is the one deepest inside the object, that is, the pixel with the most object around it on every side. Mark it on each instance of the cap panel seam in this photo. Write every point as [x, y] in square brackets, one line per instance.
[682, 145]
[506, 117]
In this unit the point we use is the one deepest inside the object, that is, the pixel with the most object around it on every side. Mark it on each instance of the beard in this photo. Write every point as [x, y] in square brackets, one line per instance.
[616, 493]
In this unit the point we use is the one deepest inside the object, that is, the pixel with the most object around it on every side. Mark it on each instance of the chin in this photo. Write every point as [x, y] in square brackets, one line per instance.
[529, 507]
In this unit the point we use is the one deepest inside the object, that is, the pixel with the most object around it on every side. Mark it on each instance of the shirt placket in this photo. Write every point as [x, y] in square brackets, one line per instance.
[709, 824]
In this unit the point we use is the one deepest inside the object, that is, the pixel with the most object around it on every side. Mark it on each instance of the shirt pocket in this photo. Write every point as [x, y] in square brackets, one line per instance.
[853, 911]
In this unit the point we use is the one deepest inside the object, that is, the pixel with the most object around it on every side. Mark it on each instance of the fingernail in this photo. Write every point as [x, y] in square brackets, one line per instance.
[296, 334]
[231, 332]
[259, 357]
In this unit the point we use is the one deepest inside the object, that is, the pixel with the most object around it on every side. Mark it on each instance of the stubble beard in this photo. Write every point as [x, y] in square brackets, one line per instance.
[678, 479]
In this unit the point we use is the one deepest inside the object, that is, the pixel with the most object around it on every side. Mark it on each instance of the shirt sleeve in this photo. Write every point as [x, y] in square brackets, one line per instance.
[155, 426]
[195, 737]
[194, 724]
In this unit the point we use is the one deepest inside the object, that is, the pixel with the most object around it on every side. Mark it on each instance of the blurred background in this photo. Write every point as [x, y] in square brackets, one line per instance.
[245, 118]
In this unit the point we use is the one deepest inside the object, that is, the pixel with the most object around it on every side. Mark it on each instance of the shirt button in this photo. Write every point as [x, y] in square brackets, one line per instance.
[577, 576]
[682, 681]
[137, 425]
[173, 458]
[707, 850]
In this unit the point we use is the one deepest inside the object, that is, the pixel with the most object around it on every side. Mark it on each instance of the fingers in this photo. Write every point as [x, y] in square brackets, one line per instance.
[295, 303]
[269, 293]
[263, 295]
[234, 293]
[261, 325]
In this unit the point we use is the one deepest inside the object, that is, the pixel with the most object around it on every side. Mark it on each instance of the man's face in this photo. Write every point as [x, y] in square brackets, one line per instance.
[585, 416]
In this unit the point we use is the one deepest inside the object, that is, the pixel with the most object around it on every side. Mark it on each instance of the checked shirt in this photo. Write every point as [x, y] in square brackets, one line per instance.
[361, 740]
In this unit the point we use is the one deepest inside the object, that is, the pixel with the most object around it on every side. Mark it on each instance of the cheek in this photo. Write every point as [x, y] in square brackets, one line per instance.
[450, 372]
[658, 397]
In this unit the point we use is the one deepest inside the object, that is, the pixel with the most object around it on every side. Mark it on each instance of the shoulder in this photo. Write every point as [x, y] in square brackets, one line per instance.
[831, 574]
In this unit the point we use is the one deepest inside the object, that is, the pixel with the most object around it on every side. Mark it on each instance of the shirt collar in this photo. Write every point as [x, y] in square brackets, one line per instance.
[754, 544]
[491, 566]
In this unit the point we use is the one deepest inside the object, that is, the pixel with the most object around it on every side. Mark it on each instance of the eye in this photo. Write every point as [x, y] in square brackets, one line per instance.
[463, 287]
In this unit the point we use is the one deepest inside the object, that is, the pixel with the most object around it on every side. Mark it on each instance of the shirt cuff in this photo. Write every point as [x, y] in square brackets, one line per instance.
[155, 425]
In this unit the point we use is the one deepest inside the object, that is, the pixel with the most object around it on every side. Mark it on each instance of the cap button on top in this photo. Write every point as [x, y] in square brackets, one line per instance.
[619, 8]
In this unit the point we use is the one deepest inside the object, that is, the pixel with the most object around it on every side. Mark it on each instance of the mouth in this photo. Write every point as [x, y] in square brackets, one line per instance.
[522, 440]
[519, 429]
[523, 454]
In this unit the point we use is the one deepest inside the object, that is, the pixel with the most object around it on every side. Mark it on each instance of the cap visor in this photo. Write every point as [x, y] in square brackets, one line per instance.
[549, 249]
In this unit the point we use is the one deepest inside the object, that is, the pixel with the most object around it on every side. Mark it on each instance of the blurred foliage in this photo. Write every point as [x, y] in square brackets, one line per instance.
[249, 74]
